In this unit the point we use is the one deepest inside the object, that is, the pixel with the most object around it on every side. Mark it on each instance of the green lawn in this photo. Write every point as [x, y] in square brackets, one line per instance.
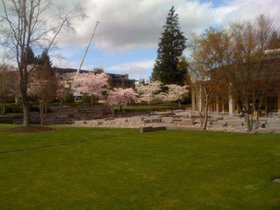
[152, 107]
[82, 168]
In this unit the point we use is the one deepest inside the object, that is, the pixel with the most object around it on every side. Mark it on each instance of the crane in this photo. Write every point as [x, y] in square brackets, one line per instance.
[83, 58]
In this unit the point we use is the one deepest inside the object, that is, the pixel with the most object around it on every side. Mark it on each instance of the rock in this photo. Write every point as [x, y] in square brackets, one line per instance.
[109, 118]
[276, 180]
[162, 128]
[156, 120]
[167, 119]
[150, 129]
[146, 129]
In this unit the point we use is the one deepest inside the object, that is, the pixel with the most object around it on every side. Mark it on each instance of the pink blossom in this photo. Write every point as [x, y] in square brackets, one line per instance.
[120, 96]
[91, 84]
[153, 92]
[175, 93]
[148, 92]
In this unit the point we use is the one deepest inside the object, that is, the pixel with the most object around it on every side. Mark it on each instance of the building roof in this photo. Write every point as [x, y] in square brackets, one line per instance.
[114, 76]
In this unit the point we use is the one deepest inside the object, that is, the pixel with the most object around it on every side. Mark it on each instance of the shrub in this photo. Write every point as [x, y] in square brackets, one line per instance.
[13, 108]
[69, 98]
[86, 99]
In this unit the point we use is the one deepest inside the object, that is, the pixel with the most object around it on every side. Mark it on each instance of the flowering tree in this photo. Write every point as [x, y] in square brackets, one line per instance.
[91, 84]
[9, 85]
[26, 24]
[156, 91]
[175, 93]
[60, 94]
[120, 96]
[149, 92]
[42, 87]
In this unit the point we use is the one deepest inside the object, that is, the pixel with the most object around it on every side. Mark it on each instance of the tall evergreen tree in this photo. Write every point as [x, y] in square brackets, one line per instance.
[274, 40]
[31, 59]
[171, 46]
[44, 59]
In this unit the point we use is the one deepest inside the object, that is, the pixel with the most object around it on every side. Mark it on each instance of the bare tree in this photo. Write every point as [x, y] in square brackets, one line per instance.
[203, 63]
[252, 71]
[9, 87]
[245, 64]
[268, 73]
[27, 24]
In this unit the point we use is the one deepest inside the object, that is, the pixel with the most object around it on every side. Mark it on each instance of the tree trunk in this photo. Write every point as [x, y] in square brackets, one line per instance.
[45, 111]
[26, 116]
[41, 109]
[205, 117]
[265, 107]
[16, 100]
[113, 110]
[251, 121]
[258, 116]
[23, 76]
[201, 119]
[3, 107]
[247, 116]
[41, 118]
[91, 100]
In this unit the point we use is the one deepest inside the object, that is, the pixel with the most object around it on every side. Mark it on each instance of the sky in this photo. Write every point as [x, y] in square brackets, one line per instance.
[126, 39]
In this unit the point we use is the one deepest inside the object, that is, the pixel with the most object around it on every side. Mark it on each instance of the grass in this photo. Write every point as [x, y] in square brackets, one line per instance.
[83, 168]
[128, 108]
[152, 107]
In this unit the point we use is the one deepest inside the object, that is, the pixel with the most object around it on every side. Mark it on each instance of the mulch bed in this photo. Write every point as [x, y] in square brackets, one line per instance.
[29, 129]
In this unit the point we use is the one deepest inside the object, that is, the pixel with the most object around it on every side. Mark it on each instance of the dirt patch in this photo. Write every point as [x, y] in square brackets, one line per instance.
[29, 129]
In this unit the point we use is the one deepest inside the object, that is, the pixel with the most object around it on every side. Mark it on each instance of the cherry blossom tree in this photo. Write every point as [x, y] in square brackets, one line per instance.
[121, 97]
[60, 94]
[27, 24]
[42, 87]
[149, 92]
[156, 91]
[91, 84]
[176, 93]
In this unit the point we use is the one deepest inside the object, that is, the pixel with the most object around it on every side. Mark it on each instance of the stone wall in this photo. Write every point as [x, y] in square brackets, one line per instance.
[11, 119]
[62, 115]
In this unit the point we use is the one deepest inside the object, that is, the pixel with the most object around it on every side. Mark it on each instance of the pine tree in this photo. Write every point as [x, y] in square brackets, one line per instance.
[274, 40]
[44, 59]
[31, 59]
[171, 46]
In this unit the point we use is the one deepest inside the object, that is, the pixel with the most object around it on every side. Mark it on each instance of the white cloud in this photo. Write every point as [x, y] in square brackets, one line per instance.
[240, 10]
[134, 69]
[127, 24]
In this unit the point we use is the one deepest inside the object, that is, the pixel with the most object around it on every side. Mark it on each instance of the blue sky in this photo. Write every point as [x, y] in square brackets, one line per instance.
[127, 37]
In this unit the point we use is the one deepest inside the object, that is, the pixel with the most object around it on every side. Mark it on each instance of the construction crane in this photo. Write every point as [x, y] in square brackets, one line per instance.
[83, 58]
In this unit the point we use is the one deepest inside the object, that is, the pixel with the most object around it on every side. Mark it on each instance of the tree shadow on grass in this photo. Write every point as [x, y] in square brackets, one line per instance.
[40, 147]
[28, 129]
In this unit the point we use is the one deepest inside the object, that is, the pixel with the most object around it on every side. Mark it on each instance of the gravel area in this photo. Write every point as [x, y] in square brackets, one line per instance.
[181, 120]
[121, 122]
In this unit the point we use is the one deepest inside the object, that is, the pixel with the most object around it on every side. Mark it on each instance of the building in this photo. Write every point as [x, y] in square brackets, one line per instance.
[225, 102]
[115, 80]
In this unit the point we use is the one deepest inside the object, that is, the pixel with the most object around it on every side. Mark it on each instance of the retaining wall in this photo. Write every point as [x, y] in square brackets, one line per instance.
[61, 115]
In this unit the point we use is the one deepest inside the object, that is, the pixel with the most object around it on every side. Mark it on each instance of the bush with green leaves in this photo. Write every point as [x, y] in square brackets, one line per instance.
[69, 98]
